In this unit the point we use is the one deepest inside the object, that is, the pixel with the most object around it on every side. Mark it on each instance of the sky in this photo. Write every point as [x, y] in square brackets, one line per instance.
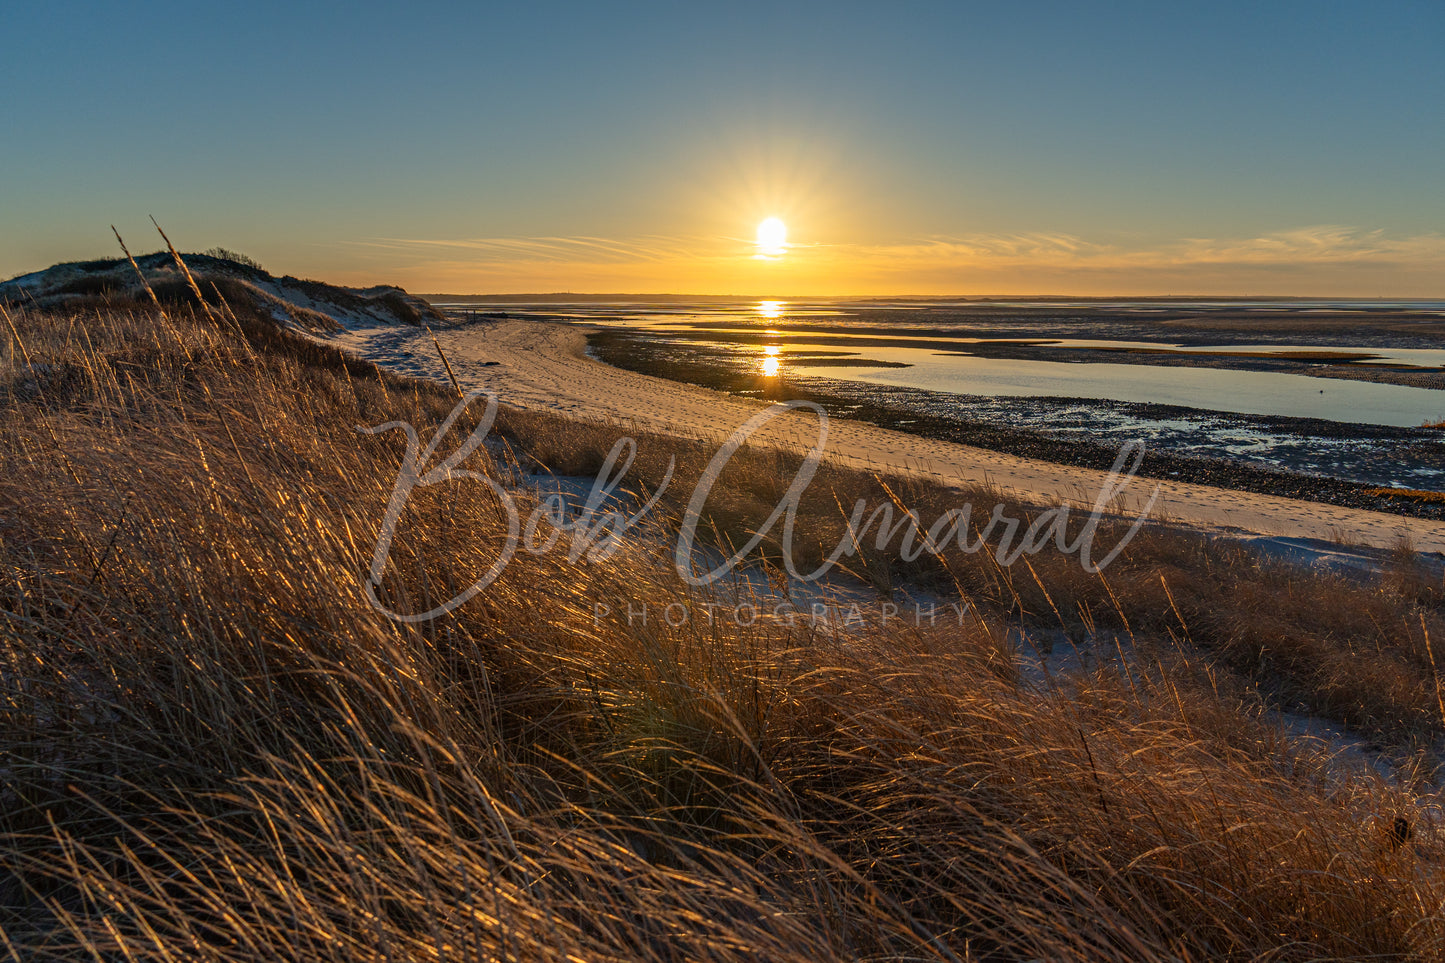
[1107, 148]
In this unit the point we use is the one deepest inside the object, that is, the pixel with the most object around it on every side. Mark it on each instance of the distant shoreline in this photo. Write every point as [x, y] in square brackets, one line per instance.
[896, 411]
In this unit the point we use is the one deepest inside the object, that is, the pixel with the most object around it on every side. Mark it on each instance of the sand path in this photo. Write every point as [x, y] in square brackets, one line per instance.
[544, 366]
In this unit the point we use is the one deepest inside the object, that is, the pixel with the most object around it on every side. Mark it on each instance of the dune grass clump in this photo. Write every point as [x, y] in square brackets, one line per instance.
[226, 254]
[214, 746]
[1411, 494]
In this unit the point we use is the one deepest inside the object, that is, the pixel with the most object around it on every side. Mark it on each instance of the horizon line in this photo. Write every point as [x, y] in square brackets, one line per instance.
[592, 295]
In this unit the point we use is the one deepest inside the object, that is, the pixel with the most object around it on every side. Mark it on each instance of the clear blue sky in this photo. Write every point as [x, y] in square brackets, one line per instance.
[1268, 147]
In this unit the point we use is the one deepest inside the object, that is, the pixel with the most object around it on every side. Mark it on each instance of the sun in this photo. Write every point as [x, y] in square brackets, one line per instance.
[772, 238]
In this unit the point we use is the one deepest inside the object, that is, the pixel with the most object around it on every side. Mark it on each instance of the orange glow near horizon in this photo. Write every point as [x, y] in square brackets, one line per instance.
[835, 263]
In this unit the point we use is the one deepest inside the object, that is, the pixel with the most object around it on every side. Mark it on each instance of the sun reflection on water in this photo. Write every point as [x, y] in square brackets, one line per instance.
[770, 361]
[771, 309]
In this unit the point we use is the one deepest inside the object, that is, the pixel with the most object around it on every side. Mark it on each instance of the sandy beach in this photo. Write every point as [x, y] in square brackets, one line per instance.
[539, 365]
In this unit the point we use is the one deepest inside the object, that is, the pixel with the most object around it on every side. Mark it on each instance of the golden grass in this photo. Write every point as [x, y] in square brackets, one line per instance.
[212, 746]
[1409, 494]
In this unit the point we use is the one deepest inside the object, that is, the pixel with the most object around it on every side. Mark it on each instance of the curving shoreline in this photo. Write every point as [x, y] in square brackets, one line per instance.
[1052, 429]
[537, 364]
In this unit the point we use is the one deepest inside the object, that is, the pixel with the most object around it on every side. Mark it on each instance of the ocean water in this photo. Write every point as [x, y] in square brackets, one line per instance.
[1209, 389]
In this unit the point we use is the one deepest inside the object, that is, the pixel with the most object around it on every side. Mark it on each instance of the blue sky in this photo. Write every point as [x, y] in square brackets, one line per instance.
[931, 148]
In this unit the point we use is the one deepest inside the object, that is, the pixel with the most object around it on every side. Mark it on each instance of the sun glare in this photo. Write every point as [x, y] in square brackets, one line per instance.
[771, 309]
[772, 238]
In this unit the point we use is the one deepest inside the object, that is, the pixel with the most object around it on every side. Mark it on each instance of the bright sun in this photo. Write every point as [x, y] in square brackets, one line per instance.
[772, 237]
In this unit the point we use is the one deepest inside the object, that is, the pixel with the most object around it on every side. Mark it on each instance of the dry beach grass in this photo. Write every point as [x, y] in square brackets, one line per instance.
[214, 747]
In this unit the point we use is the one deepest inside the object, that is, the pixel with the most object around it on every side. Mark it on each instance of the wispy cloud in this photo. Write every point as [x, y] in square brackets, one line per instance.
[1306, 245]
[1320, 244]
[582, 248]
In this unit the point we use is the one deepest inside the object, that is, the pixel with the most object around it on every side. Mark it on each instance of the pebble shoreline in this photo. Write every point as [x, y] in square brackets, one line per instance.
[840, 400]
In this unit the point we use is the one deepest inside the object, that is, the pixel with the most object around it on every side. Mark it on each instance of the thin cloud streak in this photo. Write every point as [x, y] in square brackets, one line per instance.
[1321, 244]
[578, 248]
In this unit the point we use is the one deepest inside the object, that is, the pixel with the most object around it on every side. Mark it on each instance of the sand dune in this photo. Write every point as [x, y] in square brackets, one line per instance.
[540, 365]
